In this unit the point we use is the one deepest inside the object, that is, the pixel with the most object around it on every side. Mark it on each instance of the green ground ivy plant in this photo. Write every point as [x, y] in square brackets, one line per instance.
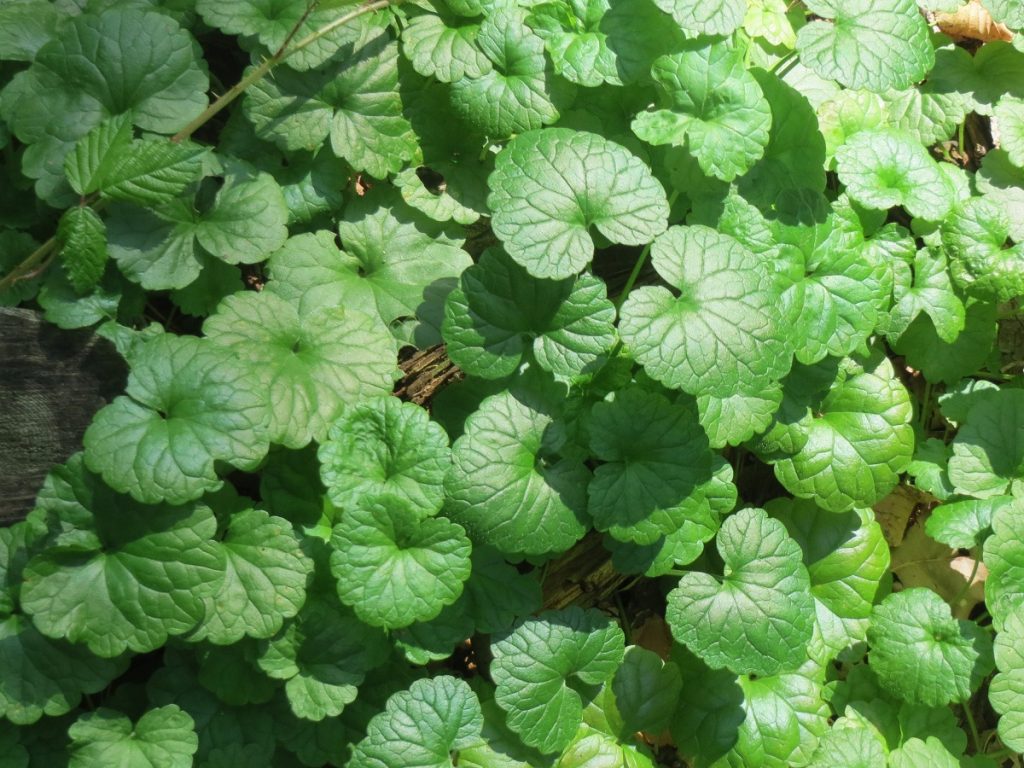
[262, 557]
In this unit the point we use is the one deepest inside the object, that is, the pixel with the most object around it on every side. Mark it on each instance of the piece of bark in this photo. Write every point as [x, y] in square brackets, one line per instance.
[51, 383]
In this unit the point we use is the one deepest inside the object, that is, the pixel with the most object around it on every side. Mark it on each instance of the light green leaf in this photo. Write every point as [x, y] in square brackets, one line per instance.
[737, 418]
[508, 486]
[1006, 692]
[549, 187]
[520, 91]
[922, 654]
[941, 361]
[443, 45]
[638, 34]
[646, 690]
[595, 749]
[925, 112]
[974, 235]
[759, 618]
[930, 292]
[572, 33]
[96, 153]
[541, 664]
[980, 81]
[723, 335]
[875, 44]
[422, 726]
[923, 753]
[1009, 113]
[187, 406]
[1004, 558]
[849, 747]
[150, 172]
[656, 456]
[43, 676]
[395, 568]
[309, 366]
[82, 239]
[353, 99]
[500, 314]
[771, 20]
[128, 59]
[885, 168]
[988, 451]
[852, 444]
[163, 737]
[710, 103]
[964, 524]
[719, 17]
[1008, 12]
[123, 575]
[999, 180]
[385, 446]
[263, 583]
[323, 655]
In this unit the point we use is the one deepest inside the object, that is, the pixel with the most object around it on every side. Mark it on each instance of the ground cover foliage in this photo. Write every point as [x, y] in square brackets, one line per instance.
[734, 291]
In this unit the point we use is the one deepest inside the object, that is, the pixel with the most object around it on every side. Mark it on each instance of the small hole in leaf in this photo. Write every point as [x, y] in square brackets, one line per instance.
[432, 180]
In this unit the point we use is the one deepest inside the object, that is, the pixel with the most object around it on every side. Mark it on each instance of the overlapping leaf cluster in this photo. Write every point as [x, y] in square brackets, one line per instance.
[809, 267]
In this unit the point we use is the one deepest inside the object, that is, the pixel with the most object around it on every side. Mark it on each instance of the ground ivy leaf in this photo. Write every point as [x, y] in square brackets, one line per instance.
[656, 456]
[230, 672]
[930, 292]
[988, 451]
[847, 558]
[395, 568]
[885, 168]
[127, 576]
[723, 334]
[310, 366]
[421, 727]
[979, 80]
[760, 617]
[442, 44]
[44, 676]
[82, 238]
[1004, 558]
[127, 59]
[164, 737]
[974, 235]
[540, 665]
[646, 690]
[771, 20]
[854, 444]
[499, 314]
[1010, 114]
[323, 655]
[999, 180]
[508, 486]
[922, 654]
[385, 446]
[264, 580]
[549, 187]
[849, 747]
[27, 26]
[187, 405]
[710, 103]
[637, 34]
[571, 30]
[925, 112]
[964, 524]
[1006, 693]
[719, 17]
[875, 44]
[941, 361]
[520, 92]
[353, 99]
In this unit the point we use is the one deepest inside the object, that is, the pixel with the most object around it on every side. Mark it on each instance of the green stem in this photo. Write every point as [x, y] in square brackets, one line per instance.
[641, 260]
[975, 738]
[781, 66]
[34, 259]
[926, 406]
[960, 138]
[999, 754]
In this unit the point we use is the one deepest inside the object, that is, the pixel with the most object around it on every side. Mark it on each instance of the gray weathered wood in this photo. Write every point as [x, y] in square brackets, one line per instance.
[51, 383]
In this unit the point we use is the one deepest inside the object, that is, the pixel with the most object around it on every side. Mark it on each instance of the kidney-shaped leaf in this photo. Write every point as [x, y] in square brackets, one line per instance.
[1004, 558]
[988, 451]
[549, 187]
[163, 737]
[1007, 689]
[717, 17]
[759, 618]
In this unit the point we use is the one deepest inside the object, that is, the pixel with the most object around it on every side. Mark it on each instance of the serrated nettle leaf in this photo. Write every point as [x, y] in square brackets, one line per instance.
[722, 335]
[96, 153]
[443, 45]
[656, 456]
[421, 727]
[885, 168]
[852, 445]
[83, 247]
[710, 103]
[1004, 558]
[126, 60]
[719, 17]
[163, 737]
[759, 617]
[974, 235]
[150, 172]
[922, 654]
[508, 486]
[500, 314]
[385, 446]
[308, 366]
[1006, 692]
[875, 44]
[572, 33]
[393, 566]
[520, 92]
[545, 665]
[187, 406]
[549, 187]
[988, 451]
